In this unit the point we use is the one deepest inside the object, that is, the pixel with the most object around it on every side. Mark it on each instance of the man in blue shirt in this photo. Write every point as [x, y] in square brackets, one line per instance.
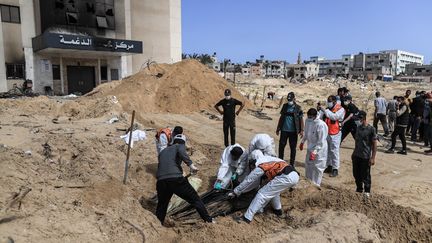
[290, 126]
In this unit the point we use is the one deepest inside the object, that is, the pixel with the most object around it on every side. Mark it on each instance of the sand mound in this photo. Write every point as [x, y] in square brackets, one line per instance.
[183, 87]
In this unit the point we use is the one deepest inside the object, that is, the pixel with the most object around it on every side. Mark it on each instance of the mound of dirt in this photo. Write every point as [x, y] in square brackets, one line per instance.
[183, 87]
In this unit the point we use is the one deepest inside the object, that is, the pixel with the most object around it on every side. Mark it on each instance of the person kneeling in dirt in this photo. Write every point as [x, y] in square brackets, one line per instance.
[164, 137]
[364, 153]
[280, 176]
[170, 179]
[263, 142]
[233, 165]
[316, 133]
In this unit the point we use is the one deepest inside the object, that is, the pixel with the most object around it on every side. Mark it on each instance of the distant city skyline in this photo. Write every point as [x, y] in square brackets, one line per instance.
[243, 30]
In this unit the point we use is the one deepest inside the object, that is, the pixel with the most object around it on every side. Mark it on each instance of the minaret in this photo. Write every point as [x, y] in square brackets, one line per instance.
[299, 58]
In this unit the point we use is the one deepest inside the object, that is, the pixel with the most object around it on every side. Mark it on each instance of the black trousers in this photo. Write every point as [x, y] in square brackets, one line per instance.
[229, 126]
[284, 137]
[361, 173]
[349, 127]
[415, 127]
[399, 131]
[182, 188]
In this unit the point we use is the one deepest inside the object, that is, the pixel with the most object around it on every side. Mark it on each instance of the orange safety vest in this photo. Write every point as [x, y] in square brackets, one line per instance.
[333, 126]
[272, 169]
[166, 131]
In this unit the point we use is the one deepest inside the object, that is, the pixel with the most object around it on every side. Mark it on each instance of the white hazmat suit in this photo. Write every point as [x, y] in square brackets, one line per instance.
[333, 141]
[229, 166]
[316, 133]
[269, 192]
[263, 142]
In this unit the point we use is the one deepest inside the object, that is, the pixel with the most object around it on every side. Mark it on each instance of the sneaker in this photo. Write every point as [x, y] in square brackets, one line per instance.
[328, 169]
[278, 212]
[334, 173]
[213, 221]
[390, 151]
[366, 196]
[404, 152]
[242, 219]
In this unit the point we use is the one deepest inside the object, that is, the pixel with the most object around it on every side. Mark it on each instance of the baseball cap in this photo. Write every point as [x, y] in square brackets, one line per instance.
[291, 96]
[227, 92]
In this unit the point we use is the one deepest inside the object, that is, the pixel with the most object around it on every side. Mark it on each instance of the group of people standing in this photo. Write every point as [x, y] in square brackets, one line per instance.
[405, 116]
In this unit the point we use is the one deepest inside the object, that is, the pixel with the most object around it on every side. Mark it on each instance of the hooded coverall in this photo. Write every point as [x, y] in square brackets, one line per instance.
[269, 192]
[316, 133]
[263, 142]
[230, 166]
[333, 140]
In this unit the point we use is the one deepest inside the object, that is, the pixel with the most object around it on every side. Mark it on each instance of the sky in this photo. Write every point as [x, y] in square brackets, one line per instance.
[242, 30]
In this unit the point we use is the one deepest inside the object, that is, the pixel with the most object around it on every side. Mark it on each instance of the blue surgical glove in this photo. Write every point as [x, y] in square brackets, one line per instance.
[234, 177]
[218, 186]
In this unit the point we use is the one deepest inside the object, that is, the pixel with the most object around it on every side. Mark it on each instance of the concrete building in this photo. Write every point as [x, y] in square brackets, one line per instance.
[418, 70]
[70, 46]
[373, 65]
[404, 58]
[274, 69]
[305, 70]
[335, 67]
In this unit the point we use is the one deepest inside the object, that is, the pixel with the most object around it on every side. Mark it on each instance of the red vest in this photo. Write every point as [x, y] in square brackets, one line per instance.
[333, 126]
[166, 131]
[272, 169]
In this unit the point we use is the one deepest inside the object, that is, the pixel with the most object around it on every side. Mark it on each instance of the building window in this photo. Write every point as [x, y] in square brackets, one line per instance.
[72, 18]
[56, 72]
[10, 14]
[101, 22]
[114, 74]
[14, 71]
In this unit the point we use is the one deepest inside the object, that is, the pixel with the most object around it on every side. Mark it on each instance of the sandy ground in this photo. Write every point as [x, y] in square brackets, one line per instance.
[77, 196]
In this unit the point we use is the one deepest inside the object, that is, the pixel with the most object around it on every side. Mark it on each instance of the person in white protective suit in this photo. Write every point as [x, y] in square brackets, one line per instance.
[280, 176]
[333, 117]
[263, 142]
[316, 132]
[234, 161]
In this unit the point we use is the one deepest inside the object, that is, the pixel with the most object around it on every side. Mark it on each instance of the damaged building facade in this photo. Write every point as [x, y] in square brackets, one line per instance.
[334, 67]
[71, 46]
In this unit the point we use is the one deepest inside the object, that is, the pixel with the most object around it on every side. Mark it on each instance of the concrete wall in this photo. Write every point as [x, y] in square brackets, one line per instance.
[157, 23]
[3, 82]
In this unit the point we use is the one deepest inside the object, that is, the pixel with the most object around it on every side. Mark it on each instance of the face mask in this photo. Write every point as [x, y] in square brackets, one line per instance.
[290, 102]
[227, 97]
[346, 102]
[330, 105]
[358, 123]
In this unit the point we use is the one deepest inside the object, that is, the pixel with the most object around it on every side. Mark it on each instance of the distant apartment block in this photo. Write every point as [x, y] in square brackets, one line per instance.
[336, 67]
[418, 70]
[275, 69]
[373, 65]
[302, 70]
[404, 58]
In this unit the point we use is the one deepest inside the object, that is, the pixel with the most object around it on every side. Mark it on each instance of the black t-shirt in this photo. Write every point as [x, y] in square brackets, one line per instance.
[364, 138]
[351, 109]
[229, 108]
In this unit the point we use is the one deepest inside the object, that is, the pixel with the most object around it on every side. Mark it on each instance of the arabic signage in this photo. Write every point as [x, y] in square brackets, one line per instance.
[65, 41]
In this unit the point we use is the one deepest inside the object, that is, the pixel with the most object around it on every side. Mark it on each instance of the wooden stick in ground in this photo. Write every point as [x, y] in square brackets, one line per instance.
[128, 149]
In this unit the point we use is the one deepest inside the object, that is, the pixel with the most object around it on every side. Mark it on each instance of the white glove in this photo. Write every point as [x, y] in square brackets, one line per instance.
[193, 169]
